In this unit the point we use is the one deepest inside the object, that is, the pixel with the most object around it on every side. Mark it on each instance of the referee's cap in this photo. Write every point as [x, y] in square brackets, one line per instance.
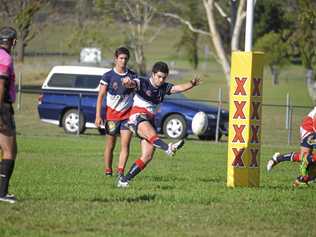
[7, 33]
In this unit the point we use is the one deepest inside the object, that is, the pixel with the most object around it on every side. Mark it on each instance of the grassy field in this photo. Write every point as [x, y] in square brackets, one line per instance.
[62, 192]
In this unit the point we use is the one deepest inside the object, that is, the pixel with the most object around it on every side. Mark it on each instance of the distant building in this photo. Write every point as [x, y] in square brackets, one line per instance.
[90, 55]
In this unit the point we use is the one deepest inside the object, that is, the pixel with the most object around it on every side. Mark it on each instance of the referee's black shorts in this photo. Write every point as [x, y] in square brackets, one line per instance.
[7, 122]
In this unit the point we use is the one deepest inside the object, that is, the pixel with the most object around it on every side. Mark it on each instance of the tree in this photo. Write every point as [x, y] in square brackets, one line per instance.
[269, 17]
[276, 52]
[189, 42]
[20, 13]
[189, 39]
[213, 11]
[83, 10]
[88, 34]
[138, 15]
[304, 40]
[271, 31]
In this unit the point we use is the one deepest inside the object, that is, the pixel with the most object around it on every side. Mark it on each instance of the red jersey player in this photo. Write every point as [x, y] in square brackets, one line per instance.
[305, 155]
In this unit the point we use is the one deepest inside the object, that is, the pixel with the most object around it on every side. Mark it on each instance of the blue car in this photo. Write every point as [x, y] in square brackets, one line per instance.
[175, 114]
[70, 89]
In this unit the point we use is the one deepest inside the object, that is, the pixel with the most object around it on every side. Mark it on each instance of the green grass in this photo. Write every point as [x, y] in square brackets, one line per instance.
[62, 192]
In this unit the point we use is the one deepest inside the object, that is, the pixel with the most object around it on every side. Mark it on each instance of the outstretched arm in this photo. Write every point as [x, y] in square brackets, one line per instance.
[185, 86]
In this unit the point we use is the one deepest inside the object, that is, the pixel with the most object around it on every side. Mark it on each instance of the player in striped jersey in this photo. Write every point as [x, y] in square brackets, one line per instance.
[305, 156]
[149, 94]
[119, 100]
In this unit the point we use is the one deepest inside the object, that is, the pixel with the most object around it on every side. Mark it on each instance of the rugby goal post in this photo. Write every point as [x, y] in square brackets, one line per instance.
[245, 112]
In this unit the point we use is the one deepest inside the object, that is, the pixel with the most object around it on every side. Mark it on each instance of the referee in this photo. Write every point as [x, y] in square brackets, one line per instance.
[8, 144]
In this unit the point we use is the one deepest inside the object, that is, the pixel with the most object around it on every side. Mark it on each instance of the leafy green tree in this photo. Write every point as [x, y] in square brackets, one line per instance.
[305, 34]
[136, 17]
[276, 52]
[189, 39]
[189, 43]
[304, 40]
[83, 11]
[20, 13]
[224, 21]
[88, 34]
[269, 16]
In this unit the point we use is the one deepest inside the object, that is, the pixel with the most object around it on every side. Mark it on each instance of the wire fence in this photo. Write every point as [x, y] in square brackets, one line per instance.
[280, 122]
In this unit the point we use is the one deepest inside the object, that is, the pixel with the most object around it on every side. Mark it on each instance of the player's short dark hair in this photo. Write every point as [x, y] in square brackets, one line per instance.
[160, 67]
[121, 50]
[7, 34]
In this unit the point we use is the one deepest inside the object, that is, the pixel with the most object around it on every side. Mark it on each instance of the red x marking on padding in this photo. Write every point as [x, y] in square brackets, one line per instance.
[240, 86]
[256, 87]
[239, 110]
[238, 133]
[254, 132]
[238, 162]
[255, 110]
[254, 153]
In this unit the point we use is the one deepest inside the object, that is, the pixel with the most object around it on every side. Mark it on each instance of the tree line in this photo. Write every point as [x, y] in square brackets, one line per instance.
[284, 30]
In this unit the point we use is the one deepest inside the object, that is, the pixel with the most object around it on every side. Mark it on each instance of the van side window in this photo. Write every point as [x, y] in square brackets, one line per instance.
[74, 81]
[87, 81]
[62, 80]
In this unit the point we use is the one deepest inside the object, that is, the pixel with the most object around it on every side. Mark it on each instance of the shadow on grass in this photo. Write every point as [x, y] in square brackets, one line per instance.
[166, 187]
[212, 180]
[140, 198]
[159, 178]
[288, 187]
[205, 140]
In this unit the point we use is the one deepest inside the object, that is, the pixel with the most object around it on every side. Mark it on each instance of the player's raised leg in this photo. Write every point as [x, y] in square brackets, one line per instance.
[278, 158]
[146, 131]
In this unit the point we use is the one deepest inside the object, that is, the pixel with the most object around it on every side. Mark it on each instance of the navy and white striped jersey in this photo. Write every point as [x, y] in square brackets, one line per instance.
[148, 96]
[119, 99]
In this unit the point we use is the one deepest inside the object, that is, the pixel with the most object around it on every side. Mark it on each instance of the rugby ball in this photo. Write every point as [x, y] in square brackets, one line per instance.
[199, 123]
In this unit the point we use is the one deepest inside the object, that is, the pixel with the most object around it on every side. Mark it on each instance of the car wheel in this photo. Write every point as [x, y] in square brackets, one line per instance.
[211, 136]
[175, 127]
[71, 120]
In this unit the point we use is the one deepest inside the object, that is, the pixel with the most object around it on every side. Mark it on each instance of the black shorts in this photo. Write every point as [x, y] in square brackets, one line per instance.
[114, 128]
[7, 122]
[136, 119]
[309, 141]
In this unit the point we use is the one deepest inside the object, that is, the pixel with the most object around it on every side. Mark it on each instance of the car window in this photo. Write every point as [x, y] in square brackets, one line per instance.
[87, 81]
[74, 81]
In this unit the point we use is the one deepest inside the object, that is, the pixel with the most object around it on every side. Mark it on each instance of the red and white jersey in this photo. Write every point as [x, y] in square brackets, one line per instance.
[119, 99]
[148, 96]
[308, 124]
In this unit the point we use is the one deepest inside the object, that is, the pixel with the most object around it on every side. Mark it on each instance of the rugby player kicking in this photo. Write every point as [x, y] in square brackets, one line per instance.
[149, 93]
